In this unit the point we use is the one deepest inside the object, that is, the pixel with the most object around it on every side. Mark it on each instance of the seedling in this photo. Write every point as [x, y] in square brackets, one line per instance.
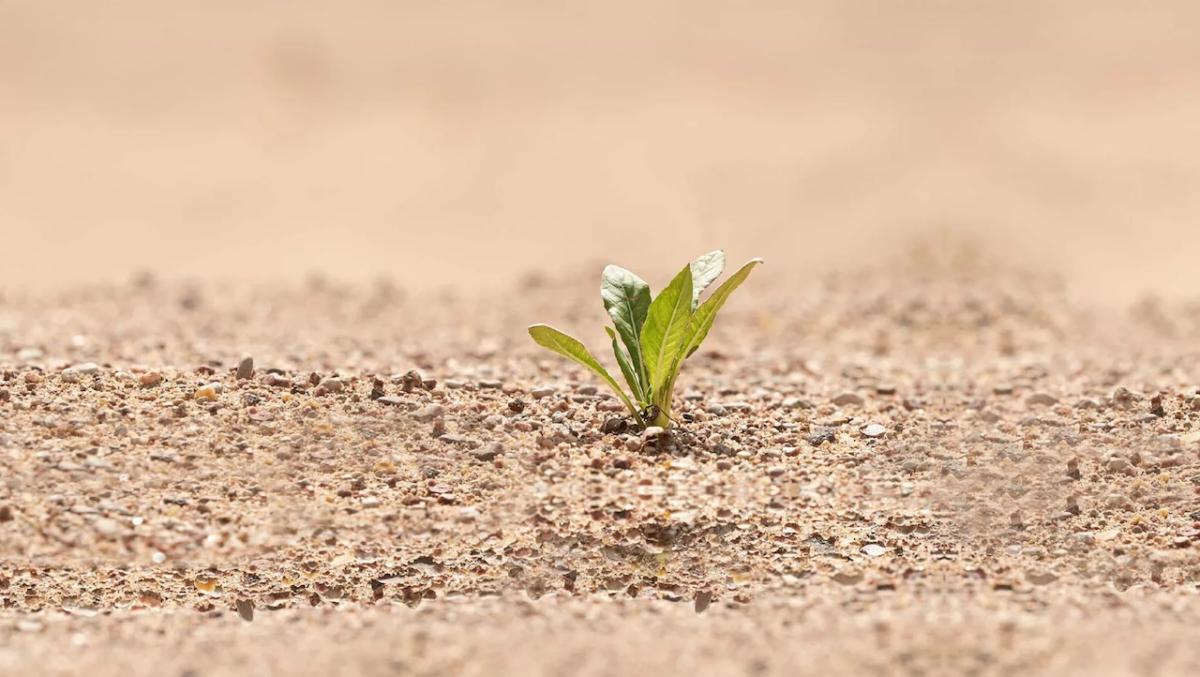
[652, 338]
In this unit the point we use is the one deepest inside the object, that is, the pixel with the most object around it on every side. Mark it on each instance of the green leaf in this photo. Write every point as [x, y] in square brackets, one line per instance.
[705, 270]
[698, 326]
[703, 319]
[626, 364]
[627, 300]
[564, 345]
[666, 328]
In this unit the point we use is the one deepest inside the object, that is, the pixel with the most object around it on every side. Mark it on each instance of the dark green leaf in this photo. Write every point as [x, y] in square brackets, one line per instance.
[626, 364]
[627, 300]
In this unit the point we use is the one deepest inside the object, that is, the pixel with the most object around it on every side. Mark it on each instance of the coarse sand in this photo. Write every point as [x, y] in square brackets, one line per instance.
[932, 465]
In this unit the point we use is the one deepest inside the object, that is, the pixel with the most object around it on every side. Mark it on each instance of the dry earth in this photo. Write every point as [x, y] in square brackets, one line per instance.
[1031, 506]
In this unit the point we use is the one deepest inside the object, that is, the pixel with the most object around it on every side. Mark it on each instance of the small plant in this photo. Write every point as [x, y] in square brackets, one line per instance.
[652, 338]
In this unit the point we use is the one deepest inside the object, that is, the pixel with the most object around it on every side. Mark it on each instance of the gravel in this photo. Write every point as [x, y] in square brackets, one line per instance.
[360, 517]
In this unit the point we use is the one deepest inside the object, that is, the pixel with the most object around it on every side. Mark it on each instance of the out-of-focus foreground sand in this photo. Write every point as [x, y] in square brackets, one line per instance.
[465, 142]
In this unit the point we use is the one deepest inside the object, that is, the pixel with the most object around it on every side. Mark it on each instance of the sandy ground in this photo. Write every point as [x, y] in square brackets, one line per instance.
[1033, 506]
[980, 225]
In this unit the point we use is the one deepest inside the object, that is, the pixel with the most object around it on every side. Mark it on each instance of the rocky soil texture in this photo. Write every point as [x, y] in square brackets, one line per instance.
[929, 467]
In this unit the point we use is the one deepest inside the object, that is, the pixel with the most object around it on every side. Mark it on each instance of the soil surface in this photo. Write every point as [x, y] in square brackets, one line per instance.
[893, 455]
[936, 465]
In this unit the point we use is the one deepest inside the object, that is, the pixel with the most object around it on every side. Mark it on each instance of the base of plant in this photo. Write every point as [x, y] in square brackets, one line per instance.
[663, 420]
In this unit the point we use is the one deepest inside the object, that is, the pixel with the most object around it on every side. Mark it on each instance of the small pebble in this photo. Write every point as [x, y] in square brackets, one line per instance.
[150, 379]
[488, 453]
[245, 369]
[797, 403]
[206, 393]
[1156, 406]
[332, 385]
[1121, 396]
[278, 381]
[846, 399]
[1072, 505]
[73, 374]
[821, 435]
[874, 430]
[1041, 400]
[614, 426]
[412, 380]
[873, 550]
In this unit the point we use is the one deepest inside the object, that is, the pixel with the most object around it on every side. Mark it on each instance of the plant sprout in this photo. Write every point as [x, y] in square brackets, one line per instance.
[651, 338]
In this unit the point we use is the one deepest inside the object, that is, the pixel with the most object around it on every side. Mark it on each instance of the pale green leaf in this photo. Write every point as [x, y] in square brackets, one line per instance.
[666, 328]
[627, 300]
[705, 270]
[703, 319]
[564, 345]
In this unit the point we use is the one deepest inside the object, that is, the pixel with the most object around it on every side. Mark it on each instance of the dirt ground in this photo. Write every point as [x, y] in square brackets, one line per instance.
[1032, 506]
[980, 226]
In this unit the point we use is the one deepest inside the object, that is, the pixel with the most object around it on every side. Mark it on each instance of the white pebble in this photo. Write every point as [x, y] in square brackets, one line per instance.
[874, 430]
[873, 550]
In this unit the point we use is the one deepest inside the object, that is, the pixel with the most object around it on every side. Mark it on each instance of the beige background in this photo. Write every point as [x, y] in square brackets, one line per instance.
[465, 142]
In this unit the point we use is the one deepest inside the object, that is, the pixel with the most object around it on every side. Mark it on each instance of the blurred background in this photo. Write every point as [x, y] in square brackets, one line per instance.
[466, 143]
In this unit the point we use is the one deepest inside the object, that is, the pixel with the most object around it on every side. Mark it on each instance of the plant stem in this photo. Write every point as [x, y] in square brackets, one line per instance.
[663, 400]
